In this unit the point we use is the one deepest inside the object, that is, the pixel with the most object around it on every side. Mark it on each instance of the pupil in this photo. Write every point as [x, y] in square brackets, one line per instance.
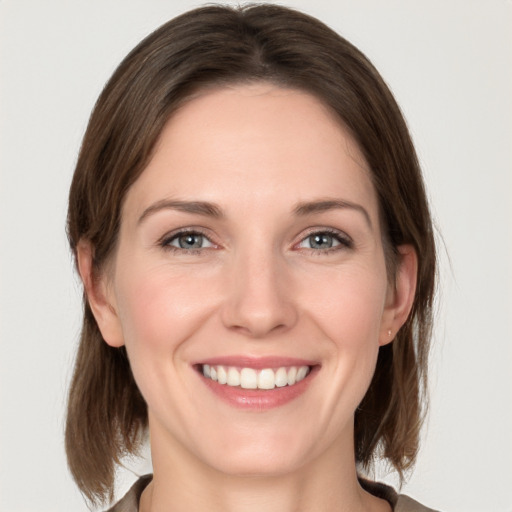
[322, 241]
[190, 241]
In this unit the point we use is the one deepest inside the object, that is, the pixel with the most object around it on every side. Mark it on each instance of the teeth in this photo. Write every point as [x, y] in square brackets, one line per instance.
[249, 378]
[266, 379]
[222, 376]
[292, 375]
[281, 379]
[301, 373]
[233, 377]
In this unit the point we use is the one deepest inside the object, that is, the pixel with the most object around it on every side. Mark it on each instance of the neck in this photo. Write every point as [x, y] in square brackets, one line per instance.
[328, 483]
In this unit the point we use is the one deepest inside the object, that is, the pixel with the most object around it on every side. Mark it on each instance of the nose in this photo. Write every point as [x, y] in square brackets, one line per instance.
[259, 300]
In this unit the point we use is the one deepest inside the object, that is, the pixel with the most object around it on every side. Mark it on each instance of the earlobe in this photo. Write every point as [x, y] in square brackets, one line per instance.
[401, 296]
[100, 299]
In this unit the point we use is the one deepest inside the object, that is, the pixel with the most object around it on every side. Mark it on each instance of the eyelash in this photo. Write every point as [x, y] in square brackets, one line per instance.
[344, 241]
[165, 242]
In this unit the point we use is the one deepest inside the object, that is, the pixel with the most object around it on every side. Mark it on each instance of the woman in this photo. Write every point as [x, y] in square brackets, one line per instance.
[249, 221]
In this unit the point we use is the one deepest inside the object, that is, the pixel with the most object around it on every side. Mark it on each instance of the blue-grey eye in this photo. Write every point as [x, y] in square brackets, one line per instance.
[320, 241]
[190, 241]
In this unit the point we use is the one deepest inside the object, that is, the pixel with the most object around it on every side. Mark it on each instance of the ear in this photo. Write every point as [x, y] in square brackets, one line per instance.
[100, 296]
[400, 295]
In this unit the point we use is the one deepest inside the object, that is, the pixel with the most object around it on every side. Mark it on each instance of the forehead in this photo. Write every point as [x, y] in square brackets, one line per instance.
[253, 142]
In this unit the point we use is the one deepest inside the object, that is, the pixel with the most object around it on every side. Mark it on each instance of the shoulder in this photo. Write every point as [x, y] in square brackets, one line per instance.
[399, 502]
[130, 501]
[406, 504]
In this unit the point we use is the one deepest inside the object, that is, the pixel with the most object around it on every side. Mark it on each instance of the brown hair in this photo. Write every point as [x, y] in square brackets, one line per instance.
[222, 45]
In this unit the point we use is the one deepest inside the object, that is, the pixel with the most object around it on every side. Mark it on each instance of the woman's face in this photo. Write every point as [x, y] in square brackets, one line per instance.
[250, 251]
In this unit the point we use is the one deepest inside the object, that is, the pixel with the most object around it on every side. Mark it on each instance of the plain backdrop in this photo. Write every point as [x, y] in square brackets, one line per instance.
[449, 63]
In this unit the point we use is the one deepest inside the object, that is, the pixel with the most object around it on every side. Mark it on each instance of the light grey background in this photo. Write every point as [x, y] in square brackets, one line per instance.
[449, 63]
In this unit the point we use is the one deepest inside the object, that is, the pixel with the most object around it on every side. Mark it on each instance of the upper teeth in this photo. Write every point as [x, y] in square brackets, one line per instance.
[249, 378]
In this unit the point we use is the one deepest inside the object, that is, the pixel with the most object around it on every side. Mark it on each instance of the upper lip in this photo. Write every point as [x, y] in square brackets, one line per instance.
[257, 363]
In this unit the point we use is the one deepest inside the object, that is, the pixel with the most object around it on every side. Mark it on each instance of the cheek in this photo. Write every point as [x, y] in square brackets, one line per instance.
[350, 308]
[159, 313]
[349, 312]
[159, 309]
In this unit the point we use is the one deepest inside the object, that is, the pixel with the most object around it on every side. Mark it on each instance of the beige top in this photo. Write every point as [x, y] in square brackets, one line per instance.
[398, 502]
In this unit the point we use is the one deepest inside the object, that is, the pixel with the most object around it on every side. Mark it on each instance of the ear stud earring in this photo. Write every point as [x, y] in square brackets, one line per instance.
[389, 333]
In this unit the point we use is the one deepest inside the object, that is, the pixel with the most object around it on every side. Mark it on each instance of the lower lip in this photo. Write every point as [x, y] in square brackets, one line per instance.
[259, 399]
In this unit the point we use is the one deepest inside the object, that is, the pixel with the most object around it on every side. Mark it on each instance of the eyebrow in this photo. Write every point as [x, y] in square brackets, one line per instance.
[196, 207]
[320, 206]
[208, 209]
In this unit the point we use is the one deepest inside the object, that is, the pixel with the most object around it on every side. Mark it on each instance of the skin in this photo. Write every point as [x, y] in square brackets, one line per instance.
[256, 287]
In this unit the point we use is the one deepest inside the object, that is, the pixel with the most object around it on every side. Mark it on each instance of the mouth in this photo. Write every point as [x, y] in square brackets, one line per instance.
[252, 378]
[257, 384]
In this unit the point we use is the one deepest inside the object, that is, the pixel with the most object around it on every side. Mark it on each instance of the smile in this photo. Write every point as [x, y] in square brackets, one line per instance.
[250, 378]
[257, 384]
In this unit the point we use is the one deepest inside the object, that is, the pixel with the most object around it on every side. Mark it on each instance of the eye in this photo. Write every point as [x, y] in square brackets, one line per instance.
[188, 240]
[325, 241]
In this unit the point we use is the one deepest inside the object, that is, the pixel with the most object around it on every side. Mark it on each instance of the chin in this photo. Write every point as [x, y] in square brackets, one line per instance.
[263, 455]
[258, 465]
